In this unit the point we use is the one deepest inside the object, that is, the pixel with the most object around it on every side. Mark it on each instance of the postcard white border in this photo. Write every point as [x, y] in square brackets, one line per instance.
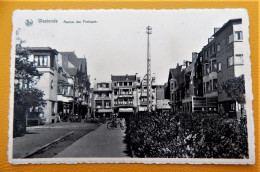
[249, 99]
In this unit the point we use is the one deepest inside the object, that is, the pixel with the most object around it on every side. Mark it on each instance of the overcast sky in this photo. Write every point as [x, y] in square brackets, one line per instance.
[117, 43]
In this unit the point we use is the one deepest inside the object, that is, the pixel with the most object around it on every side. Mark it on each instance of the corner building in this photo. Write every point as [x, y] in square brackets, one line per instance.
[230, 60]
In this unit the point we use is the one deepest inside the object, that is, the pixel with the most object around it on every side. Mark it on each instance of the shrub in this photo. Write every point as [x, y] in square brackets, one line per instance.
[197, 135]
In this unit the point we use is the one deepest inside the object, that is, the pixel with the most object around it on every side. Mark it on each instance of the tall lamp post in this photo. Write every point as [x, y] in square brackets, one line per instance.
[148, 31]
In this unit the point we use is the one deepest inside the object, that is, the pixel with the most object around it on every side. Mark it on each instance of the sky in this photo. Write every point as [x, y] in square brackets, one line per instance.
[114, 42]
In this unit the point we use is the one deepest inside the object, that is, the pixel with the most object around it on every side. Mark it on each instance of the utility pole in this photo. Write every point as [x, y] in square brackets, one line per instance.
[148, 31]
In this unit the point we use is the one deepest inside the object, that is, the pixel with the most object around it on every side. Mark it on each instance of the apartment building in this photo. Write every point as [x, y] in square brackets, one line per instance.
[124, 94]
[193, 86]
[102, 99]
[230, 59]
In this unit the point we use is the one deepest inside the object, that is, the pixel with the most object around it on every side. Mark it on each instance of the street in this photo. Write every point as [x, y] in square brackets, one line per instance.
[99, 143]
[39, 136]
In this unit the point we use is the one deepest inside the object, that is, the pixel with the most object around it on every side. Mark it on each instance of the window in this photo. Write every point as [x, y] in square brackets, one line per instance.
[230, 39]
[210, 85]
[107, 103]
[214, 65]
[238, 36]
[41, 60]
[215, 81]
[115, 101]
[98, 103]
[215, 48]
[130, 83]
[120, 101]
[218, 47]
[210, 51]
[115, 84]
[207, 68]
[230, 61]
[207, 86]
[219, 67]
[120, 84]
[239, 59]
[125, 83]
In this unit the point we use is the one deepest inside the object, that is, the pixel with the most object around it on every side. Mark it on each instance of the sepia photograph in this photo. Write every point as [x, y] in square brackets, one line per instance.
[131, 86]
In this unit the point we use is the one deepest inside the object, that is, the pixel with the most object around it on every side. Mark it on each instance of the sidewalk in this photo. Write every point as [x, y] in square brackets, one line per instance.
[41, 135]
[99, 143]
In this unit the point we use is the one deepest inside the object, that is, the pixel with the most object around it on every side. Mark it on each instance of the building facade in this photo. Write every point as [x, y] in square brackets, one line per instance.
[45, 59]
[142, 95]
[230, 59]
[194, 86]
[124, 94]
[102, 99]
[78, 85]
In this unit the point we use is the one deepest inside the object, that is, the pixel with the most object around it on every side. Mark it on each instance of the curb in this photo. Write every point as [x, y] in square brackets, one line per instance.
[46, 145]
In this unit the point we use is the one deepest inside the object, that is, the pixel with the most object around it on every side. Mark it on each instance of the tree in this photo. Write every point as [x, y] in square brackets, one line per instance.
[25, 94]
[235, 89]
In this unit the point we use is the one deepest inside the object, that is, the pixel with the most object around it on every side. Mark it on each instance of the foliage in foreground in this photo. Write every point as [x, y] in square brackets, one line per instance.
[188, 136]
[26, 95]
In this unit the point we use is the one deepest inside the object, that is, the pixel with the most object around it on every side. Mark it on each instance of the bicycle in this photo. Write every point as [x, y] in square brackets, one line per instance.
[113, 125]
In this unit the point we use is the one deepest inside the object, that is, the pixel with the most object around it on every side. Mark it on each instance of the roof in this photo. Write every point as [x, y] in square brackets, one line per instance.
[71, 71]
[79, 63]
[232, 21]
[123, 77]
[42, 49]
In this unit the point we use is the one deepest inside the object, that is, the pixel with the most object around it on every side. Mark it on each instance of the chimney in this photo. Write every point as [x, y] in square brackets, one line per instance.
[210, 39]
[216, 29]
[194, 56]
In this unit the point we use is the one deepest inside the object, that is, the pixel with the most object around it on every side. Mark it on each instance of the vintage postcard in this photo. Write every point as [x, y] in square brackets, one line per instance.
[131, 86]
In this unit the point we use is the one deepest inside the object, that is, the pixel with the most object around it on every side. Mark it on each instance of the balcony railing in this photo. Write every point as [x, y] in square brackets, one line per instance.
[143, 103]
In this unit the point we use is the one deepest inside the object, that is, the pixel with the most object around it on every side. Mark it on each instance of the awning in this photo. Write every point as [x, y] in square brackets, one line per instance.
[105, 110]
[129, 110]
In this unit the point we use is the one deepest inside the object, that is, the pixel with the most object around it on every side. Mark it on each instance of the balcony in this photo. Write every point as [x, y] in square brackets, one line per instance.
[143, 103]
[125, 95]
[124, 104]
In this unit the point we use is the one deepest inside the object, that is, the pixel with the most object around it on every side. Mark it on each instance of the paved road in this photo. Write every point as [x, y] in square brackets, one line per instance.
[99, 143]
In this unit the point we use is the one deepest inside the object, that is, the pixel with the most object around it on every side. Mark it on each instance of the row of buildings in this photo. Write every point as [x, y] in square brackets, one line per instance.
[192, 86]
[65, 83]
[66, 86]
[126, 94]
